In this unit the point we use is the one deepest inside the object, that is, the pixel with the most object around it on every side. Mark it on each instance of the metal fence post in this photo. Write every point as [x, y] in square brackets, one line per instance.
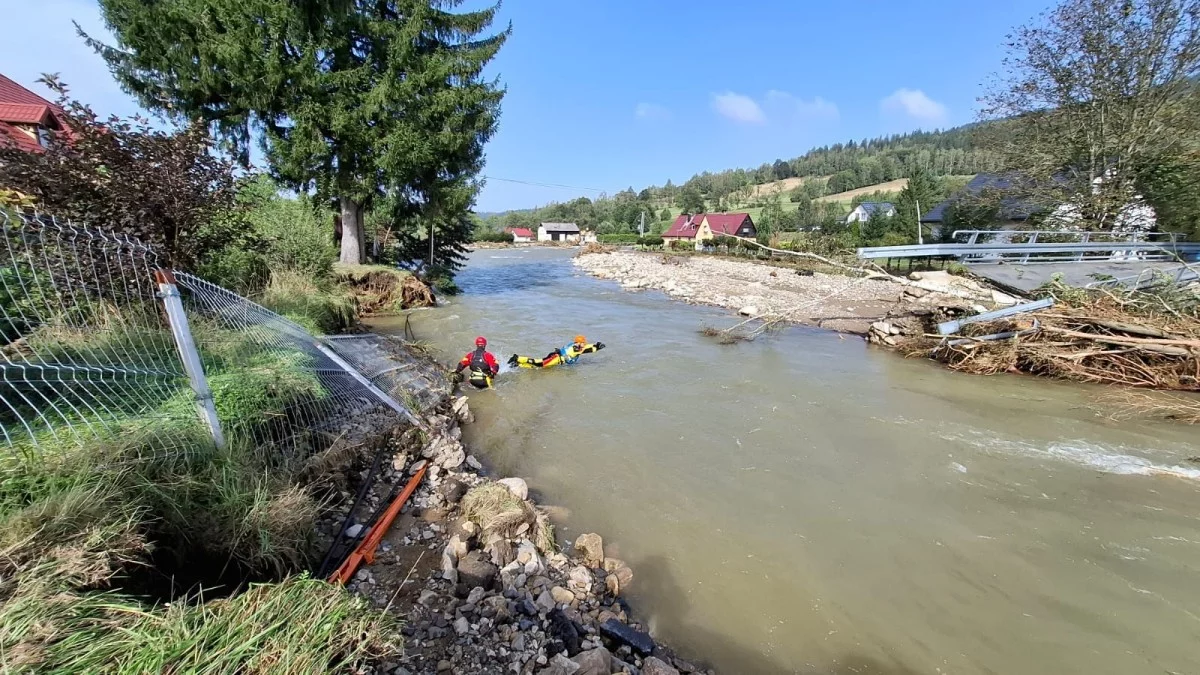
[188, 353]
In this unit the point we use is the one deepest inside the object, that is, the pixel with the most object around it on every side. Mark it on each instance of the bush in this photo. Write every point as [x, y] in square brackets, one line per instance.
[318, 305]
[237, 269]
[493, 237]
[619, 239]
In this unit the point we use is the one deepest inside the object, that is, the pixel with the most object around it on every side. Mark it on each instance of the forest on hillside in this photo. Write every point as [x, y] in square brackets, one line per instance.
[777, 203]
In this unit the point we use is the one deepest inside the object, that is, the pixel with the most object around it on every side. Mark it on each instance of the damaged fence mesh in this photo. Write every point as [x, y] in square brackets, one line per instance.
[87, 356]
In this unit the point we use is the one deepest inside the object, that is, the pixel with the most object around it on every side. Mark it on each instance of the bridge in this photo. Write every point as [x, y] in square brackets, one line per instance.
[1024, 260]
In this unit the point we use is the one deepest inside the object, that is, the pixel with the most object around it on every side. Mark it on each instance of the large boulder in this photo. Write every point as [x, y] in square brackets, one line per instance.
[590, 548]
[560, 665]
[517, 486]
[476, 570]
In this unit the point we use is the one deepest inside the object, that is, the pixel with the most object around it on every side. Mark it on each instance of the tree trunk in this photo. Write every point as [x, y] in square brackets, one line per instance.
[352, 232]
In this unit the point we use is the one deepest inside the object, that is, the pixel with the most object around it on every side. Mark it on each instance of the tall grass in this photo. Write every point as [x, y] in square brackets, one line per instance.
[316, 303]
[298, 626]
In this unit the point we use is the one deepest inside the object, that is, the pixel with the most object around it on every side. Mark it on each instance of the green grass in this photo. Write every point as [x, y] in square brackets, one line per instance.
[320, 307]
[299, 626]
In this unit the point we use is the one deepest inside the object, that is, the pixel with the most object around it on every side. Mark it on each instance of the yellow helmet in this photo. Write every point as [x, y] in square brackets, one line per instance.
[580, 340]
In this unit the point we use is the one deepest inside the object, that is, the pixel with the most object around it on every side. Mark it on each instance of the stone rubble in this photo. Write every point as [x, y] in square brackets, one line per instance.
[477, 601]
[842, 303]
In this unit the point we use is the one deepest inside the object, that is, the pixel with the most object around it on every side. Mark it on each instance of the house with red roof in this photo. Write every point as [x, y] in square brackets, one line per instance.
[701, 227]
[521, 235]
[26, 119]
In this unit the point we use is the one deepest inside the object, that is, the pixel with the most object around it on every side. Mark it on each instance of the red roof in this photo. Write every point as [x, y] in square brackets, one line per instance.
[721, 224]
[520, 232]
[18, 105]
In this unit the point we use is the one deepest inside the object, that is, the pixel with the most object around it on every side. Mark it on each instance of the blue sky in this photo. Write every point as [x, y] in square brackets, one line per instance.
[605, 95]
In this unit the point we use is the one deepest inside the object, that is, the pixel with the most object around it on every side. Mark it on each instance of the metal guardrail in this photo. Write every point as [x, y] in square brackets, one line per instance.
[1134, 251]
[1149, 278]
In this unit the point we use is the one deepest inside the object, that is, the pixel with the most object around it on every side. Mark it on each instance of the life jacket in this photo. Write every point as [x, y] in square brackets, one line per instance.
[479, 364]
[569, 354]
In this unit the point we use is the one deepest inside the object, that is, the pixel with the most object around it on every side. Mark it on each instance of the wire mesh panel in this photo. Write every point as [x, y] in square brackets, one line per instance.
[85, 353]
[275, 385]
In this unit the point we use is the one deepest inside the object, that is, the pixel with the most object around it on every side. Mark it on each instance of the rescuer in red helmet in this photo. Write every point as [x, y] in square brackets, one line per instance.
[482, 365]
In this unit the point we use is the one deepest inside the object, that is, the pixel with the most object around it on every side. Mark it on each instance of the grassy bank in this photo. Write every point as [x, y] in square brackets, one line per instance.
[99, 529]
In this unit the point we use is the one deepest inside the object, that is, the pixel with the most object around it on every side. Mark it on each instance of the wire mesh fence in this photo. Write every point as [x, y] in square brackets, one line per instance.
[87, 355]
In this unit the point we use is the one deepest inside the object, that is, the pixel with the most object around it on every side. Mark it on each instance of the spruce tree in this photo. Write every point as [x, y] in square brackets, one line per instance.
[350, 100]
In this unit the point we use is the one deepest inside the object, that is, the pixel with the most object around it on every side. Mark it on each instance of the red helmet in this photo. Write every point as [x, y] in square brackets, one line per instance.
[481, 341]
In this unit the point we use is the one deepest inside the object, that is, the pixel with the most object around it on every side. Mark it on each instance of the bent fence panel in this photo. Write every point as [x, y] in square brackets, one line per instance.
[87, 356]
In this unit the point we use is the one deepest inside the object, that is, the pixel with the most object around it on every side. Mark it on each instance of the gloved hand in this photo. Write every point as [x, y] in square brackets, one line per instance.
[599, 346]
[456, 376]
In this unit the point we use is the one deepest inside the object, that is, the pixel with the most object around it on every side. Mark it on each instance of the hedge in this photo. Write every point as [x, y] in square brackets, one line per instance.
[494, 237]
[629, 239]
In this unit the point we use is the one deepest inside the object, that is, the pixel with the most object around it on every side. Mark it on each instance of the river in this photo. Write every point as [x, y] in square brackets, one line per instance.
[804, 503]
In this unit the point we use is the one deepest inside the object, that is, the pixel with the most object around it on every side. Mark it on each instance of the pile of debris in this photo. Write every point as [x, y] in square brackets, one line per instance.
[1097, 337]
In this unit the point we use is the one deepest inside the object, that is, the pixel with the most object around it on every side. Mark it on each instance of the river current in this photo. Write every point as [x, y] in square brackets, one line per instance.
[806, 504]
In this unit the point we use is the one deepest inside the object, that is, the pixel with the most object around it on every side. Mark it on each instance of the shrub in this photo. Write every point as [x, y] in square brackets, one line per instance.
[493, 237]
[238, 269]
[318, 305]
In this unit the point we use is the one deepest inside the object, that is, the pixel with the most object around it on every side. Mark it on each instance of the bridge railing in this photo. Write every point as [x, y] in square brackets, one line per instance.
[1025, 246]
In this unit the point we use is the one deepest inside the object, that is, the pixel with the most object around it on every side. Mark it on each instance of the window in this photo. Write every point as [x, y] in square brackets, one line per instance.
[44, 136]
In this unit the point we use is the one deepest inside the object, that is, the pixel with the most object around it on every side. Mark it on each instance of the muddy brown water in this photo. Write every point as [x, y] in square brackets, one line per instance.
[806, 504]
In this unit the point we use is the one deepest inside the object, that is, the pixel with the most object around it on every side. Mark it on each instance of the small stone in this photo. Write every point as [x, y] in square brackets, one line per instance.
[474, 463]
[526, 607]
[518, 643]
[591, 549]
[655, 666]
[542, 660]
[560, 665]
[685, 667]
[444, 666]
[580, 579]
[500, 550]
[362, 575]
[562, 596]
[545, 601]
[399, 461]
[354, 530]
[427, 598]
[517, 486]
[613, 564]
[475, 595]
[449, 568]
[417, 466]
[461, 625]
[748, 310]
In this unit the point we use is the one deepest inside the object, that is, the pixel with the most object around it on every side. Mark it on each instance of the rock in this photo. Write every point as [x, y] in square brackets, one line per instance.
[457, 548]
[978, 309]
[474, 570]
[594, 662]
[518, 643]
[354, 530]
[453, 490]
[580, 579]
[417, 466]
[527, 607]
[545, 601]
[475, 595]
[474, 463]
[501, 551]
[452, 458]
[559, 665]
[612, 585]
[1003, 299]
[444, 666]
[449, 566]
[427, 598]
[591, 549]
[517, 486]
[399, 461]
[748, 310]
[562, 596]
[560, 627]
[685, 667]
[461, 625]
[613, 564]
[656, 666]
[621, 633]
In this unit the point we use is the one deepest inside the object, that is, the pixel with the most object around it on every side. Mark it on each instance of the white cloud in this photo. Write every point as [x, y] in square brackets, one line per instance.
[652, 111]
[811, 109]
[738, 107]
[915, 104]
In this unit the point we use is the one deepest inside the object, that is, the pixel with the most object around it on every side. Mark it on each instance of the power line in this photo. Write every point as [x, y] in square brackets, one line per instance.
[553, 185]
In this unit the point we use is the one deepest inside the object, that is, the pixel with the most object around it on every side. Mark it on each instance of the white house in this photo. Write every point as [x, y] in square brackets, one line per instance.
[868, 210]
[558, 232]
